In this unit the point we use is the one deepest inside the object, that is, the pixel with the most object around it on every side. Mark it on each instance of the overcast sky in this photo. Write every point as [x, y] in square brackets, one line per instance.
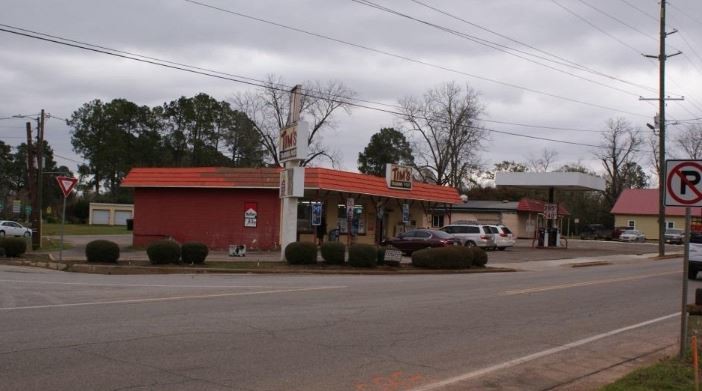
[606, 37]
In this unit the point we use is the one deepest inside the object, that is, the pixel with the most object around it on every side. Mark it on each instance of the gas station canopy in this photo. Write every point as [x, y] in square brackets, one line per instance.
[569, 181]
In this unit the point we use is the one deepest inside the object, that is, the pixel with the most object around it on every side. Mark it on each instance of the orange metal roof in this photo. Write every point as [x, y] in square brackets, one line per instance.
[315, 178]
[214, 177]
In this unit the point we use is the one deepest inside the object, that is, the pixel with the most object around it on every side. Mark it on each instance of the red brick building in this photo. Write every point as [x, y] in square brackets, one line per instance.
[223, 206]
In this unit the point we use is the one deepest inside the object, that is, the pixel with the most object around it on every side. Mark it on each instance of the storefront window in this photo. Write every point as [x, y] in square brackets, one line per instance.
[304, 217]
[359, 220]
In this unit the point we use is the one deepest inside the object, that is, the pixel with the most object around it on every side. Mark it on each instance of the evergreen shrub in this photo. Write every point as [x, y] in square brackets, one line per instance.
[455, 257]
[333, 253]
[14, 247]
[163, 251]
[102, 251]
[301, 253]
[363, 255]
[194, 252]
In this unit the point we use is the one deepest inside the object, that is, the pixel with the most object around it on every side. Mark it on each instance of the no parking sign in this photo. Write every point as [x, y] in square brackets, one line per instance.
[683, 185]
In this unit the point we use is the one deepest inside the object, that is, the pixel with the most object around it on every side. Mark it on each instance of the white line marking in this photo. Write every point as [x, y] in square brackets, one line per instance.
[137, 285]
[173, 298]
[585, 283]
[534, 356]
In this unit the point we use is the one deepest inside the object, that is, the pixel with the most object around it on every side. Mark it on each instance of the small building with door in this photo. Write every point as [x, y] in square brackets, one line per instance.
[638, 209]
[224, 206]
[110, 214]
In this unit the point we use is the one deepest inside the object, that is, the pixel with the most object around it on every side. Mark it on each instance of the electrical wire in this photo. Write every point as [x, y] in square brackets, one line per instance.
[506, 49]
[286, 88]
[416, 61]
[181, 68]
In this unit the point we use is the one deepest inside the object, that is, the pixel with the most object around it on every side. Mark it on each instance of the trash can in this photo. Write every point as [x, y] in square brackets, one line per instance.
[130, 224]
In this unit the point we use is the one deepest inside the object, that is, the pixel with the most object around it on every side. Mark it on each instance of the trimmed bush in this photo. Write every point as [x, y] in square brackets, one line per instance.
[102, 251]
[455, 257]
[479, 257]
[163, 252]
[363, 255]
[194, 252]
[333, 253]
[380, 252]
[14, 247]
[301, 253]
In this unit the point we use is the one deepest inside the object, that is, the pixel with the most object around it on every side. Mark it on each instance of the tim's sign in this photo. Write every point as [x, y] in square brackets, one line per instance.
[398, 177]
[292, 143]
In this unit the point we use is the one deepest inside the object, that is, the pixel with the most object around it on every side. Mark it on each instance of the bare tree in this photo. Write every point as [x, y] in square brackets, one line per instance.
[690, 141]
[443, 125]
[618, 156]
[653, 142]
[543, 163]
[268, 108]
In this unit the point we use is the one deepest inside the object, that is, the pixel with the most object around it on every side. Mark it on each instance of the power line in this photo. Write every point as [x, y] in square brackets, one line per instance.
[397, 113]
[281, 87]
[620, 21]
[416, 61]
[562, 61]
[639, 9]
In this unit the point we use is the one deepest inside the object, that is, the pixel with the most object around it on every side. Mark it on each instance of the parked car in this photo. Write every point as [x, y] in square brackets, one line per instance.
[618, 231]
[13, 228]
[632, 235]
[417, 239]
[694, 264]
[674, 236]
[596, 231]
[503, 237]
[472, 235]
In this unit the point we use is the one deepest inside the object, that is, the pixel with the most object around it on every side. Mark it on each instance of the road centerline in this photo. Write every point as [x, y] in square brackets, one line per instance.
[171, 298]
[583, 283]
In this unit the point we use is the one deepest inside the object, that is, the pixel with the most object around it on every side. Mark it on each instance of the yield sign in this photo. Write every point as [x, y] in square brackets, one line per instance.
[66, 184]
[683, 183]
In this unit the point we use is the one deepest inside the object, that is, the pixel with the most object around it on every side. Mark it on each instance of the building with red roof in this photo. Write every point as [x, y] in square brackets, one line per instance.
[638, 208]
[223, 206]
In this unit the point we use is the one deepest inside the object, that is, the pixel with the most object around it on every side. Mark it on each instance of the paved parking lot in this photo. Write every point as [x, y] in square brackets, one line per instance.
[523, 252]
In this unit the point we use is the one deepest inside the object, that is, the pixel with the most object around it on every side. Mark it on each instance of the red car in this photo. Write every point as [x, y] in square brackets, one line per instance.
[417, 239]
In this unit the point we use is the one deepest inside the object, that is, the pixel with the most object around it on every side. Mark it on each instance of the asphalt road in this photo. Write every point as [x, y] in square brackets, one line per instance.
[552, 329]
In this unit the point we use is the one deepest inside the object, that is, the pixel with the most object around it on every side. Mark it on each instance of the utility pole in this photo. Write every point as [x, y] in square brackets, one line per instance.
[31, 188]
[661, 136]
[36, 243]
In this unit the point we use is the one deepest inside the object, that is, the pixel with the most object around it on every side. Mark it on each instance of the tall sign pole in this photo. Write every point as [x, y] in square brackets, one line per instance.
[66, 184]
[683, 188]
[292, 150]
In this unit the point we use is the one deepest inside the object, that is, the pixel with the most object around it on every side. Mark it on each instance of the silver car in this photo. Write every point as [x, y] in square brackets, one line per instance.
[472, 235]
[503, 237]
[632, 235]
[12, 228]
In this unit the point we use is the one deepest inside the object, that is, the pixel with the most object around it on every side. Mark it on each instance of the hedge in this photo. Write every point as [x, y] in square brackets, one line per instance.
[479, 257]
[102, 251]
[301, 253]
[163, 251]
[333, 253]
[363, 255]
[194, 252]
[14, 247]
[454, 257]
[380, 260]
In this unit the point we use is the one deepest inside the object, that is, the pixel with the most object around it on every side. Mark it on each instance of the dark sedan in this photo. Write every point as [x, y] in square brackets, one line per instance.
[417, 239]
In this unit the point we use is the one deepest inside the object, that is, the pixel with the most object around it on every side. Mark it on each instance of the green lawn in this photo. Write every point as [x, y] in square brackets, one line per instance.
[84, 229]
[668, 375]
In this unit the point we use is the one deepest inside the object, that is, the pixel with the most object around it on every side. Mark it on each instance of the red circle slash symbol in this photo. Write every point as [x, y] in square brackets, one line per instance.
[685, 183]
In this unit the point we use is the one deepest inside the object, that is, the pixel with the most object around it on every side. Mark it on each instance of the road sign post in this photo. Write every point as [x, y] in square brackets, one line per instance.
[683, 188]
[66, 184]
